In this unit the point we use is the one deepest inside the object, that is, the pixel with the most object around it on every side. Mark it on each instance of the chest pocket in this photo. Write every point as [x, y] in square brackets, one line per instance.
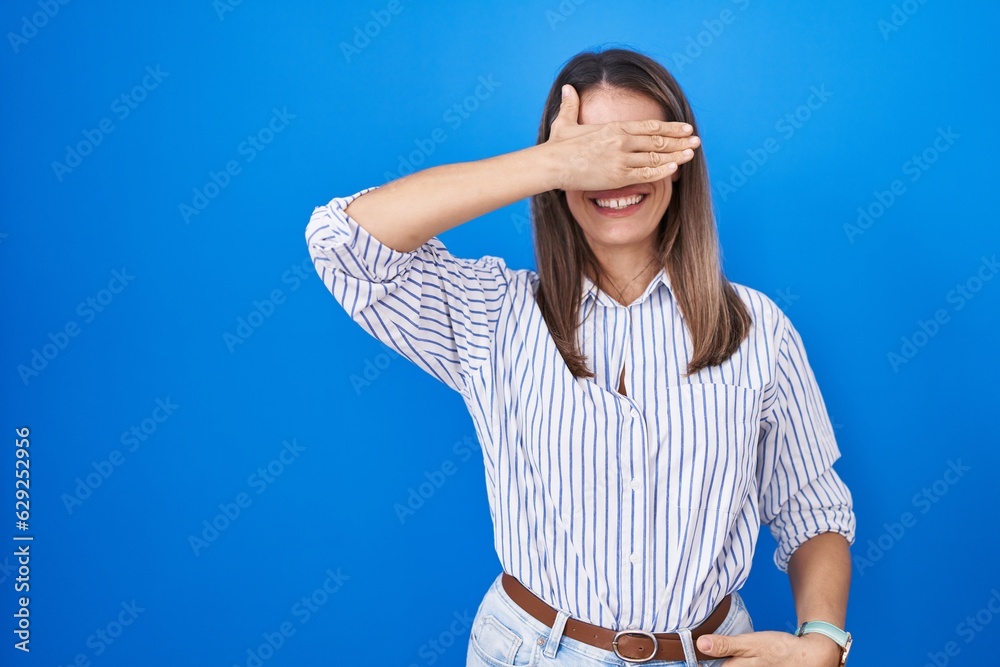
[708, 445]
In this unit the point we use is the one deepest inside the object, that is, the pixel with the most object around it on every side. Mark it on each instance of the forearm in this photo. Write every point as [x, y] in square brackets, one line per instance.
[405, 213]
[820, 574]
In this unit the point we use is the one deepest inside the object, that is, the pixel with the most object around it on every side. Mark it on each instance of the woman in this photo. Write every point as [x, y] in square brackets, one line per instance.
[640, 416]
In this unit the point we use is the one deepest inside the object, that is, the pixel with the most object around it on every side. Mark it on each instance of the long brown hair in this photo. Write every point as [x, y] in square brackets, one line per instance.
[687, 242]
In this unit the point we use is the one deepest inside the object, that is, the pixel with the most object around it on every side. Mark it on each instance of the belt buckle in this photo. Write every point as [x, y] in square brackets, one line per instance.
[644, 633]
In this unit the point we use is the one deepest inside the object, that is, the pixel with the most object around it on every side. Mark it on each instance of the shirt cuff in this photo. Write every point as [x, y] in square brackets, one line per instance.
[332, 227]
[822, 506]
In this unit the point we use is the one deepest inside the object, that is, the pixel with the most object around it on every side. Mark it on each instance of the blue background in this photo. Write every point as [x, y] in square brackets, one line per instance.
[893, 77]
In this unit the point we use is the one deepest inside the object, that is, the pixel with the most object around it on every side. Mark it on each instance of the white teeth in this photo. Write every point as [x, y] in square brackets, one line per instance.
[620, 202]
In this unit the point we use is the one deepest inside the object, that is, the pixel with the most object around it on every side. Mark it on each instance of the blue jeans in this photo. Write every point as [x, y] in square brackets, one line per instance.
[504, 635]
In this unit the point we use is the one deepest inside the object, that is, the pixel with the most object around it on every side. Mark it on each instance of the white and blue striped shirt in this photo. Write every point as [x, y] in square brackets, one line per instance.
[626, 511]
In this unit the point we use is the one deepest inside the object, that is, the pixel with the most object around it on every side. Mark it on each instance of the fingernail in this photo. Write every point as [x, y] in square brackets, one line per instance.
[687, 128]
[688, 152]
[705, 643]
[564, 90]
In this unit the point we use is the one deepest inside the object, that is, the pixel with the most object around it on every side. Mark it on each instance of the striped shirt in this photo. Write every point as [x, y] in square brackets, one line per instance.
[636, 511]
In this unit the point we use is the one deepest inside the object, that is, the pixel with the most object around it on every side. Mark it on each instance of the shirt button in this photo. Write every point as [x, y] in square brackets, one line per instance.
[636, 484]
[634, 558]
[635, 413]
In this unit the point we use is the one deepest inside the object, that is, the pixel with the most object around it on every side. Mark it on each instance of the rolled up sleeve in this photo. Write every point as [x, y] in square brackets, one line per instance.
[800, 495]
[436, 310]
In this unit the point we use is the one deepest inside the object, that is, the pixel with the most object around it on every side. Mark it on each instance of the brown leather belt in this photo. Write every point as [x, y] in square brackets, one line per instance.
[632, 645]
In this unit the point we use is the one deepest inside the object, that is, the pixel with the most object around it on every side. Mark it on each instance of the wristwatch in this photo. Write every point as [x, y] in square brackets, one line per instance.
[842, 638]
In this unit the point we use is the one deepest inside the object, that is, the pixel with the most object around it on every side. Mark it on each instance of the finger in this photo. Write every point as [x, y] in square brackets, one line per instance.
[654, 159]
[569, 107]
[650, 174]
[721, 646]
[652, 126]
[660, 143]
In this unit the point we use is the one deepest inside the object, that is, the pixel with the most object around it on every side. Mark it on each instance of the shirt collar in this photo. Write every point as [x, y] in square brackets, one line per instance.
[590, 289]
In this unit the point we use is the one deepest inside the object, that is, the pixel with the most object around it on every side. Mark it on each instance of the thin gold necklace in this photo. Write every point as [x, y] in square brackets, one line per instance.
[621, 292]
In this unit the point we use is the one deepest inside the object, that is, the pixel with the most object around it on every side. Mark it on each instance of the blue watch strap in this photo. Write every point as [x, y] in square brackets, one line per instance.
[830, 630]
[824, 628]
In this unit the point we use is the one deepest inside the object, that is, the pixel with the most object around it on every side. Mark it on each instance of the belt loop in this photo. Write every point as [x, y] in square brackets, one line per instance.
[555, 634]
[690, 659]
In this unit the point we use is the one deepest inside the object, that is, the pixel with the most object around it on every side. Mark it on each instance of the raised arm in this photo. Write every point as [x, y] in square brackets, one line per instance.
[378, 253]
[405, 213]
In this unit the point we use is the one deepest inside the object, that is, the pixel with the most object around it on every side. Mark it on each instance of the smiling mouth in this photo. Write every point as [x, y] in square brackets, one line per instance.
[625, 204]
[619, 203]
